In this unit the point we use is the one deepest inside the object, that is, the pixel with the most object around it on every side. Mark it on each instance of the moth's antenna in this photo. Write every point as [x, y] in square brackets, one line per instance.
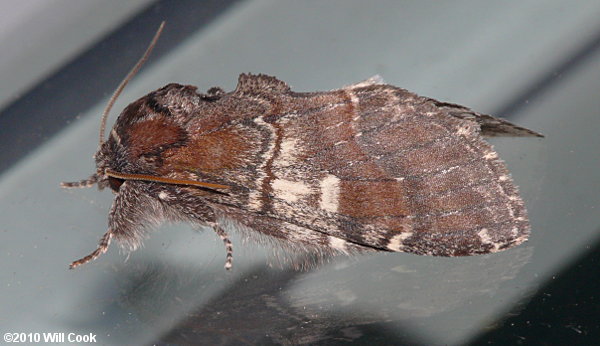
[129, 76]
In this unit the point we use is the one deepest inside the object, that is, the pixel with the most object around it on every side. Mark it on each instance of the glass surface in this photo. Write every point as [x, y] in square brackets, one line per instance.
[508, 59]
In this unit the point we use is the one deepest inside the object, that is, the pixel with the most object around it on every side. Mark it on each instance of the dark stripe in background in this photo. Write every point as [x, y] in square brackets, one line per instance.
[41, 112]
[552, 77]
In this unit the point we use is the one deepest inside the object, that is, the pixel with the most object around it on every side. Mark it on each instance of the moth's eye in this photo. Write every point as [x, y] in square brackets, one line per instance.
[115, 183]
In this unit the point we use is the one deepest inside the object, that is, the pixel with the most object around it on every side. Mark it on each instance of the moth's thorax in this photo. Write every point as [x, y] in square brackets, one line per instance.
[145, 131]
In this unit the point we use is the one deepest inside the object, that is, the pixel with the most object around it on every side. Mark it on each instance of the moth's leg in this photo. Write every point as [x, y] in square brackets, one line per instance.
[186, 201]
[89, 182]
[105, 240]
[228, 246]
[102, 247]
[132, 212]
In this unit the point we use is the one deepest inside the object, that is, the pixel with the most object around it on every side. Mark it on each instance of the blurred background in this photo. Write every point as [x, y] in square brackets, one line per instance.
[534, 62]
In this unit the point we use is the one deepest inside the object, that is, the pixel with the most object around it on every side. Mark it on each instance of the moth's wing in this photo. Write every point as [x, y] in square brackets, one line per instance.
[490, 126]
[369, 165]
[406, 164]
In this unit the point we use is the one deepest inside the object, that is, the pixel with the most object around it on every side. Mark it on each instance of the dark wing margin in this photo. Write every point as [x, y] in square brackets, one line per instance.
[490, 126]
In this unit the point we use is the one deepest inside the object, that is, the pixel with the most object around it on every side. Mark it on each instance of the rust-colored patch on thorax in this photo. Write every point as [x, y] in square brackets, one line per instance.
[153, 136]
[212, 153]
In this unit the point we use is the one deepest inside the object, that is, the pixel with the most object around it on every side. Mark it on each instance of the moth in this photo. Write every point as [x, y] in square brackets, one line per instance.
[368, 167]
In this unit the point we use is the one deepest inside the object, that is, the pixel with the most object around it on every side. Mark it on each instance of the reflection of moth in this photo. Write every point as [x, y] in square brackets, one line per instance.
[366, 167]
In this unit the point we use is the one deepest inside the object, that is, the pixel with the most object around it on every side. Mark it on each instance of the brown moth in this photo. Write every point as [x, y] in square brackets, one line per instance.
[366, 167]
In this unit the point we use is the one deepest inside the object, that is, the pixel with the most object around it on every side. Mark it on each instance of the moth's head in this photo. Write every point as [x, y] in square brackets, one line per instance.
[105, 161]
